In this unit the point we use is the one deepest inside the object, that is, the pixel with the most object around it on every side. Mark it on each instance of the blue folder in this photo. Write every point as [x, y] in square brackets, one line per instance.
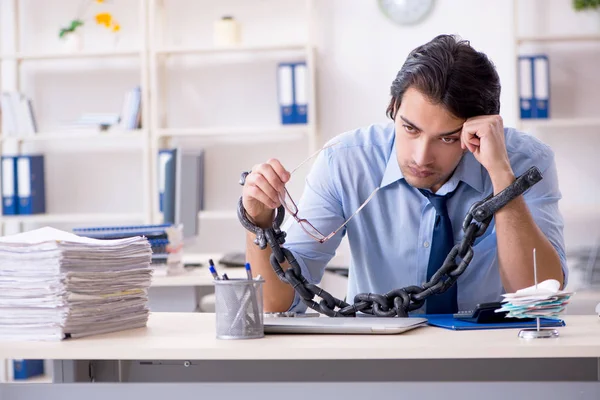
[447, 321]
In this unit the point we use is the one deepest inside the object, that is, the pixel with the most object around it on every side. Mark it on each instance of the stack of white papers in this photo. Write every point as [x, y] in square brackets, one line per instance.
[544, 301]
[55, 285]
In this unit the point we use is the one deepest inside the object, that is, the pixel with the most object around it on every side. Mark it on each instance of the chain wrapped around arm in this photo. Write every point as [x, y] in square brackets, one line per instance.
[398, 302]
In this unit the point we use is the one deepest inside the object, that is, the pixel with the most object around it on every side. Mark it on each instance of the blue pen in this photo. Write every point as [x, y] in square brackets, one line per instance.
[248, 271]
[252, 293]
[212, 270]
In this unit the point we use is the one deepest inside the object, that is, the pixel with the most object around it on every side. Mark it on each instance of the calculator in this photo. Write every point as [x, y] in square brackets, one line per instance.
[486, 313]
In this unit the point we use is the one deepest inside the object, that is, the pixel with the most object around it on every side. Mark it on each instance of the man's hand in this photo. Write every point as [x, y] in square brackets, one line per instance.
[262, 188]
[484, 137]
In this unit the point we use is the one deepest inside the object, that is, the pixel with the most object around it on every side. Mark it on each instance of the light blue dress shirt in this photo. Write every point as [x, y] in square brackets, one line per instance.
[390, 238]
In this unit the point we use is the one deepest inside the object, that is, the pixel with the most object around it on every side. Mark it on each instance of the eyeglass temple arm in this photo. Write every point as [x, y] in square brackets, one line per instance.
[352, 216]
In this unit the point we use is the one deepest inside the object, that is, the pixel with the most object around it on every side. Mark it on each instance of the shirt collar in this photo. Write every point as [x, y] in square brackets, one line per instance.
[468, 170]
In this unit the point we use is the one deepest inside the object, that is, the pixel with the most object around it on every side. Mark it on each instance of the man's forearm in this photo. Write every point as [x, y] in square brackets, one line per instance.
[277, 296]
[517, 235]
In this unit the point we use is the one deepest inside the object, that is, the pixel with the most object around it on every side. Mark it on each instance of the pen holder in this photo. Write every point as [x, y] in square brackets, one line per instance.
[239, 308]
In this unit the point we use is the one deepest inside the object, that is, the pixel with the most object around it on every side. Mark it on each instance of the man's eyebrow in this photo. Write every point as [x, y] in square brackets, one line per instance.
[410, 123]
[419, 129]
[453, 132]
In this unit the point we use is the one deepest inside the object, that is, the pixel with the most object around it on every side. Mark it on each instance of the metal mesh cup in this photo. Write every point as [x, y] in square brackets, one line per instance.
[239, 308]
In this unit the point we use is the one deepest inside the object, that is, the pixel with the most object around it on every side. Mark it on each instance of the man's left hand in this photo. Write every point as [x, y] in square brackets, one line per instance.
[484, 137]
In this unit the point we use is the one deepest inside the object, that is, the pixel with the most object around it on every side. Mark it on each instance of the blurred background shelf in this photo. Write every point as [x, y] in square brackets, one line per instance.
[241, 49]
[277, 133]
[218, 215]
[79, 135]
[72, 55]
[50, 218]
[560, 123]
[558, 38]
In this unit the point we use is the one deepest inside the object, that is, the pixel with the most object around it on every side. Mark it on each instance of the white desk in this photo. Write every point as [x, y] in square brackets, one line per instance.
[181, 336]
[181, 347]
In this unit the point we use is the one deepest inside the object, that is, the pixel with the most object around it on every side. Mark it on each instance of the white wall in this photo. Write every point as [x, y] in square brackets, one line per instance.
[359, 54]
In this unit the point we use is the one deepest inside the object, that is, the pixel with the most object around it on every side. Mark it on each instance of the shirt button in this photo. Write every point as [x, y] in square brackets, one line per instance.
[426, 244]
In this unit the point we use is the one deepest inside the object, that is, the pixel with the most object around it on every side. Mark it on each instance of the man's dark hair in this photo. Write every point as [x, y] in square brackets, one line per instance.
[451, 73]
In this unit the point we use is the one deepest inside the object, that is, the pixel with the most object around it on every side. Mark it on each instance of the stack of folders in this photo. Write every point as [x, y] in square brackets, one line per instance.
[56, 285]
[166, 242]
[534, 86]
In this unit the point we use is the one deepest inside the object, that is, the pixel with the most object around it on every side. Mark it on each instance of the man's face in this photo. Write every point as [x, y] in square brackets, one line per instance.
[428, 141]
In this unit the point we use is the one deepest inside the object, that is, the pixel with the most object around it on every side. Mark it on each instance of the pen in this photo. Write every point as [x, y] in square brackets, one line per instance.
[225, 277]
[212, 270]
[253, 293]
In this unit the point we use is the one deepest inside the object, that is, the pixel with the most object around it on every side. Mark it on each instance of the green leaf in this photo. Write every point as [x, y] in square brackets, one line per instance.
[71, 28]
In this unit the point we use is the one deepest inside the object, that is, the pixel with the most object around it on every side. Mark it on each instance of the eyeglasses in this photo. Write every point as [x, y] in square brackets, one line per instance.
[292, 208]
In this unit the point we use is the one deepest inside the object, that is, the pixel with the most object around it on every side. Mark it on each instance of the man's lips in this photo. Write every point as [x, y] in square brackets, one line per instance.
[420, 173]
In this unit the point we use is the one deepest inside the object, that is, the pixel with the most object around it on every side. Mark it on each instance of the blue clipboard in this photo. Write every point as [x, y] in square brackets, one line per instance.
[447, 321]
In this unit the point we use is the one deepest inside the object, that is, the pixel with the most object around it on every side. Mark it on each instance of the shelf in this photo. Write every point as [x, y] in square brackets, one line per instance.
[559, 123]
[232, 50]
[34, 379]
[217, 215]
[77, 135]
[65, 218]
[558, 38]
[60, 56]
[253, 134]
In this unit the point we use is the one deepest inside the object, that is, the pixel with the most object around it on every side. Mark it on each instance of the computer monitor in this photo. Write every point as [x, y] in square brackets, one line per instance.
[184, 189]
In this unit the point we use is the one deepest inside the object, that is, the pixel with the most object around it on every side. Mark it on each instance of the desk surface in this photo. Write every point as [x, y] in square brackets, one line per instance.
[191, 336]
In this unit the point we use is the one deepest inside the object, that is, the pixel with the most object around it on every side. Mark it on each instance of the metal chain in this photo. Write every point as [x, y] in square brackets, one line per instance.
[398, 302]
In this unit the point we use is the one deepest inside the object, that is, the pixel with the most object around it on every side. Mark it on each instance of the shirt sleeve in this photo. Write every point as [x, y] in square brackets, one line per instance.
[321, 205]
[542, 200]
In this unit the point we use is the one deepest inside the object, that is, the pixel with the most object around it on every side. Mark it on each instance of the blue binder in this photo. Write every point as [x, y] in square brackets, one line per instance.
[300, 93]
[31, 186]
[24, 369]
[525, 74]
[285, 85]
[541, 86]
[9, 185]
[447, 321]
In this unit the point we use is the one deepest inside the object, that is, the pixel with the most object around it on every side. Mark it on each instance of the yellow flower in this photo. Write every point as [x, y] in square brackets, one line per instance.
[100, 1]
[116, 28]
[104, 19]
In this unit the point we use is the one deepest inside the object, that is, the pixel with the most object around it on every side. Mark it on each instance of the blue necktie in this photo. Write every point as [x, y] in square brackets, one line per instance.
[441, 244]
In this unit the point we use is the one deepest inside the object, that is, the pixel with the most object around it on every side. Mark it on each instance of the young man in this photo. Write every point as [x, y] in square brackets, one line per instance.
[446, 139]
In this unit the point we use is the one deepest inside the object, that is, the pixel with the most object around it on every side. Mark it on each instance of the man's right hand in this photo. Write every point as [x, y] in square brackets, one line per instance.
[260, 195]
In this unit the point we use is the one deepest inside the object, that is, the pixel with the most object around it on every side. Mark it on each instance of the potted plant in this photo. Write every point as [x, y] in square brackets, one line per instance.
[71, 34]
[581, 5]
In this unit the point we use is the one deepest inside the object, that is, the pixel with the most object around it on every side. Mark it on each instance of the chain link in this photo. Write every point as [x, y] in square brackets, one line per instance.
[397, 302]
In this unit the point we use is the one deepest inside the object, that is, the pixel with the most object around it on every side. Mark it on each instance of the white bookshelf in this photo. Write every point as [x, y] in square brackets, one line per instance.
[548, 39]
[554, 127]
[151, 55]
[163, 136]
[136, 140]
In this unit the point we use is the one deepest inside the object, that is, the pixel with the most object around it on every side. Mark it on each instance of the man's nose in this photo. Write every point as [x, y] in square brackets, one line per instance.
[423, 154]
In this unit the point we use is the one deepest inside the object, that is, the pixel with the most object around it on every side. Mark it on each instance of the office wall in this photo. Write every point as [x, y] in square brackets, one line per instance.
[359, 54]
